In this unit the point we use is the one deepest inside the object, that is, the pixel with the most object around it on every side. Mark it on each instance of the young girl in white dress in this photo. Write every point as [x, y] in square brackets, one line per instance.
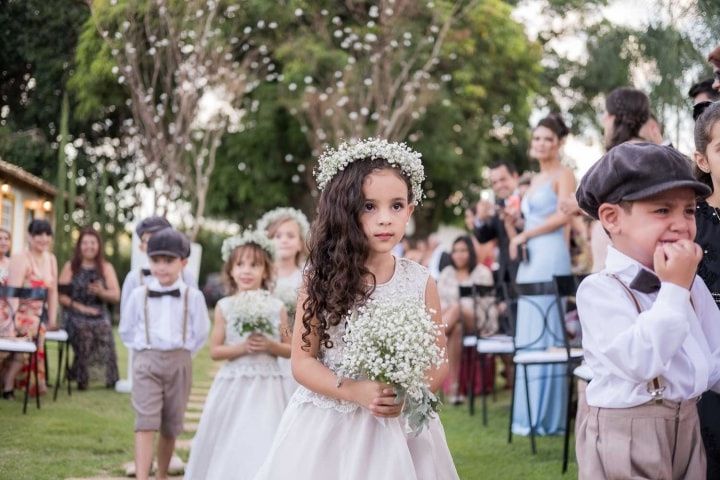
[351, 428]
[288, 228]
[247, 397]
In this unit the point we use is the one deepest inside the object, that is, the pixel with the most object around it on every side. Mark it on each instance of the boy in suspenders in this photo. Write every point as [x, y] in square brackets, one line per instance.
[651, 331]
[163, 322]
[144, 230]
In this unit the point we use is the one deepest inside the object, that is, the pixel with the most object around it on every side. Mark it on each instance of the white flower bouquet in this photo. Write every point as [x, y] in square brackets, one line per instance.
[288, 295]
[394, 342]
[253, 313]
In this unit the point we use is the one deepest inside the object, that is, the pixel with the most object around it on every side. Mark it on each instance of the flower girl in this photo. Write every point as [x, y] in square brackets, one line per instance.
[288, 228]
[340, 424]
[247, 397]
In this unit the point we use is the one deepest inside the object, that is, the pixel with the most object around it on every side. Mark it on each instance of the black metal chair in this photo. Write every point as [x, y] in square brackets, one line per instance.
[62, 339]
[534, 352]
[477, 347]
[21, 346]
[566, 286]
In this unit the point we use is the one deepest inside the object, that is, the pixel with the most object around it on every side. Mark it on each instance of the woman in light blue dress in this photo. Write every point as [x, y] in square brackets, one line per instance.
[544, 239]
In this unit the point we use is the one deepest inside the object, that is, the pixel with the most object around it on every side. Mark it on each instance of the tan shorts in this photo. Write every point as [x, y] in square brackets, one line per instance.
[160, 390]
[651, 441]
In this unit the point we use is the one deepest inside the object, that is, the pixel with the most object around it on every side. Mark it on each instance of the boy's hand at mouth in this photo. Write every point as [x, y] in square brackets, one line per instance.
[677, 262]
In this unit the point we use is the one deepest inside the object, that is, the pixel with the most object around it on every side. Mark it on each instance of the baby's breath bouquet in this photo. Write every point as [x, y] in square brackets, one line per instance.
[288, 295]
[253, 313]
[394, 342]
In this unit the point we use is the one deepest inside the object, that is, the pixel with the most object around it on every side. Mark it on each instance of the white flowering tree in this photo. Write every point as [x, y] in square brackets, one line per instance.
[186, 82]
[380, 72]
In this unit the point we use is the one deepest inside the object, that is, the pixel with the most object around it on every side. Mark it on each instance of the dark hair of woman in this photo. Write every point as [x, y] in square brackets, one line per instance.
[259, 255]
[39, 226]
[703, 137]
[76, 261]
[472, 256]
[631, 109]
[336, 278]
[555, 124]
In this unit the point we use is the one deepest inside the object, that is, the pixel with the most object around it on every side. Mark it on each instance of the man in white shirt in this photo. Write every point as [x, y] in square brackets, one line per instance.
[163, 322]
[651, 330]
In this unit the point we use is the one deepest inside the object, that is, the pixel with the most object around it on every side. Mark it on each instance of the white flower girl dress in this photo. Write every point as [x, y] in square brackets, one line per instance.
[321, 438]
[242, 411]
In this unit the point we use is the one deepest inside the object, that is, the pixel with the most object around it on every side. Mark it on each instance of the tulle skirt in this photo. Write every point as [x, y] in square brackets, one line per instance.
[316, 441]
[237, 427]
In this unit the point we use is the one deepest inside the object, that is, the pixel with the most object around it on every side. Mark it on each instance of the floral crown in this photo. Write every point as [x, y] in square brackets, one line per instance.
[249, 236]
[398, 154]
[284, 213]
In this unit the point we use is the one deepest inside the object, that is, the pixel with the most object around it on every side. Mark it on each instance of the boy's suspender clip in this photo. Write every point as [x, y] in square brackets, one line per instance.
[654, 387]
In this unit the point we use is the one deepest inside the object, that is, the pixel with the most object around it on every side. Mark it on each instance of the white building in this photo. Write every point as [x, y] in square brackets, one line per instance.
[23, 197]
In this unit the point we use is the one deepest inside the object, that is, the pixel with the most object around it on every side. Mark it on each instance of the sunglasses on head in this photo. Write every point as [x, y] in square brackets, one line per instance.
[699, 108]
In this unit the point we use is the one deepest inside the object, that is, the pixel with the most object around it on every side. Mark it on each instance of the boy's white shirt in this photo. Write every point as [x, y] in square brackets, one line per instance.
[165, 319]
[669, 339]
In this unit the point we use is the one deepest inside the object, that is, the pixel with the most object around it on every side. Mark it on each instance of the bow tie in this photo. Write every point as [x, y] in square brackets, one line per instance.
[156, 294]
[146, 272]
[645, 282]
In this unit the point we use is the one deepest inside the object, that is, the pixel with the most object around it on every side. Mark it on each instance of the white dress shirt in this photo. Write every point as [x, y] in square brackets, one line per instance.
[669, 339]
[165, 319]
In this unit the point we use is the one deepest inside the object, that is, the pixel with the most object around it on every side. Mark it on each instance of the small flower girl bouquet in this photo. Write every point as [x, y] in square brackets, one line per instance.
[288, 295]
[394, 342]
[253, 313]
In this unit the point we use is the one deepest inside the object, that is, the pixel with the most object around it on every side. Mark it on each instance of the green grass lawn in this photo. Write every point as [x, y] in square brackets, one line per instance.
[91, 433]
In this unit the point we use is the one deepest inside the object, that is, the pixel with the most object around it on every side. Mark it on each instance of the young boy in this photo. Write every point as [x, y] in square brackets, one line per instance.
[651, 331]
[163, 322]
[145, 230]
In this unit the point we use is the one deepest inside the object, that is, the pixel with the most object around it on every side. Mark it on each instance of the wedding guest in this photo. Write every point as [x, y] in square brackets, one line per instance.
[88, 283]
[543, 251]
[463, 315]
[36, 267]
[703, 91]
[714, 59]
[489, 222]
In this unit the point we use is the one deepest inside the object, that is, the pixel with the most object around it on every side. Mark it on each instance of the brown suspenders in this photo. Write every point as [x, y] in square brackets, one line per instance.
[185, 316]
[655, 388]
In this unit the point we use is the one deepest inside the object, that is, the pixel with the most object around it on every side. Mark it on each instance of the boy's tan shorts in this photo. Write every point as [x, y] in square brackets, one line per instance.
[160, 390]
[651, 441]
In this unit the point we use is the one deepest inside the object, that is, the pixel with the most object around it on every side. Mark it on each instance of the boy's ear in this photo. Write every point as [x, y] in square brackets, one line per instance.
[609, 216]
[702, 162]
[184, 262]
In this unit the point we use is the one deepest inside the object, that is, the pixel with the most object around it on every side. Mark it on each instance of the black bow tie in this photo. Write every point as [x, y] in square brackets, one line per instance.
[172, 293]
[146, 272]
[645, 282]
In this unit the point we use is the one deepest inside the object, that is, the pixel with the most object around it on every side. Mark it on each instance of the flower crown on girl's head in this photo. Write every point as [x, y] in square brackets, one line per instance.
[398, 154]
[249, 236]
[284, 213]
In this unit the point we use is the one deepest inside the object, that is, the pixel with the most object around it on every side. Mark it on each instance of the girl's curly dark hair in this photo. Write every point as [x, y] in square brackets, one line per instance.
[335, 273]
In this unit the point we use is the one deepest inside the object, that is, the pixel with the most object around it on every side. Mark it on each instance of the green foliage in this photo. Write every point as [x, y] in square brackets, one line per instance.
[255, 168]
[211, 260]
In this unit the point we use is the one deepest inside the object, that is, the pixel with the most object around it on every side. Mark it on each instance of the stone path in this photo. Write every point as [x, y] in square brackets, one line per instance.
[198, 394]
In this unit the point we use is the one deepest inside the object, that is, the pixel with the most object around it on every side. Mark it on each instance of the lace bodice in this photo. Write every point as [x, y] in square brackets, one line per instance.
[253, 364]
[408, 280]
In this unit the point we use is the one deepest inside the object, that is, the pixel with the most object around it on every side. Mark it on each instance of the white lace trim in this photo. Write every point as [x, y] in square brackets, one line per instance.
[303, 395]
[257, 369]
